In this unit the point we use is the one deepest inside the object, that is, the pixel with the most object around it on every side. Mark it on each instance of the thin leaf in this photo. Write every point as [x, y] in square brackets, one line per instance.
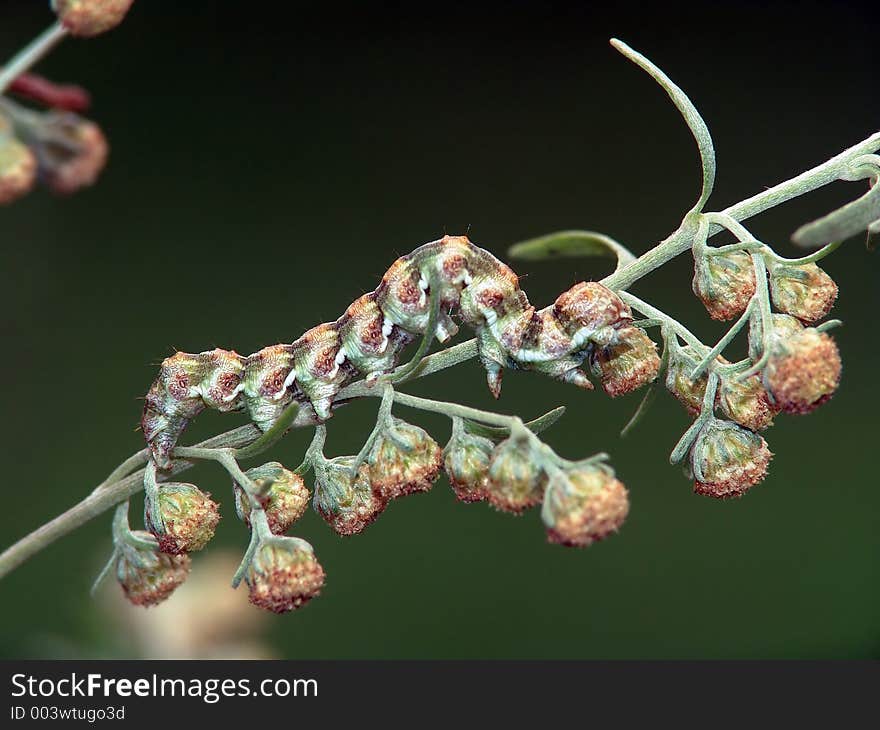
[542, 423]
[571, 244]
[853, 218]
[688, 111]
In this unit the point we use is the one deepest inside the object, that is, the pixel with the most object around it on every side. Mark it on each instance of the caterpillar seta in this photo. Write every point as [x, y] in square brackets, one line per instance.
[367, 340]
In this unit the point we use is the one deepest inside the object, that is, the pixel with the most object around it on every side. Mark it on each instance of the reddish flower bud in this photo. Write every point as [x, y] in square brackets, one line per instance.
[726, 460]
[284, 575]
[71, 151]
[87, 18]
[583, 505]
[516, 478]
[148, 577]
[747, 402]
[724, 283]
[348, 504]
[18, 169]
[187, 517]
[803, 371]
[628, 364]
[466, 460]
[284, 496]
[404, 459]
[805, 292]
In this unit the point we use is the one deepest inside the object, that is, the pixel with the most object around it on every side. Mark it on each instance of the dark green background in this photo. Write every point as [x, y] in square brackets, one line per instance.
[267, 169]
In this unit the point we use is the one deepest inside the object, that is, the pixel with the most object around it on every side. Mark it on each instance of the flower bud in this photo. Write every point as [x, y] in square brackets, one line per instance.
[283, 495]
[628, 364]
[86, 18]
[726, 460]
[18, 169]
[71, 151]
[782, 326]
[148, 577]
[348, 504]
[187, 517]
[803, 371]
[583, 505]
[747, 402]
[466, 460]
[284, 575]
[805, 292]
[688, 391]
[516, 478]
[404, 459]
[724, 283]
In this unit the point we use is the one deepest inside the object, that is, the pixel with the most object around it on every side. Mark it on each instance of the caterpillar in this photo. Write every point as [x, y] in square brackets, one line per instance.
[368, 339]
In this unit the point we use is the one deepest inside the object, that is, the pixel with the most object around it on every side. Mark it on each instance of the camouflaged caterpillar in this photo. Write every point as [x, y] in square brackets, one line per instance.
[368, 339]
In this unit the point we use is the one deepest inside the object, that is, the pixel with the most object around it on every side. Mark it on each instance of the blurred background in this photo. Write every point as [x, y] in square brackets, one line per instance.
[266, 170]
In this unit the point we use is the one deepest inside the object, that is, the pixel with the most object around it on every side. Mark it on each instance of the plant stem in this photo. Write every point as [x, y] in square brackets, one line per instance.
[31, 54]
[112, 492]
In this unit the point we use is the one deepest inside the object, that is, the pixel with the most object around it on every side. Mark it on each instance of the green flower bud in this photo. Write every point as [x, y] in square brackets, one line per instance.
[348, 504]
[805, 292]
[148, 577]
[18, 169]
[284, 502]
[628, 364]
[688, 391]
[724, 283]
[583, 505]
[284, 575]
[466, 461]
[516, 477]
[86, 18]
[404, 459]
[803, 371]
[747, 402]
[782, 326]
[188, 518]
[726, 460]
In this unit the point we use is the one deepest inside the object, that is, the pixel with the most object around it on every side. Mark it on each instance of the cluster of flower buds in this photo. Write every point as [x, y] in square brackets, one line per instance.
[404, 459]
[148, 577]
[87, 18]
[466, 461]
[283, 496]
[800, 365]
[347, 502]
[181, 517]
[284, 575]
[584, 504]
[516, 476]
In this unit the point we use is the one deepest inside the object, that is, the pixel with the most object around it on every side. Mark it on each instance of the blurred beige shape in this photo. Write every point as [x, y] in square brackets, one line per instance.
[203, 619]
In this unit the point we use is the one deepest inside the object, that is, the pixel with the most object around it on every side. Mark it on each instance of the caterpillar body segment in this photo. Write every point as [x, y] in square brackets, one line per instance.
[368, 339]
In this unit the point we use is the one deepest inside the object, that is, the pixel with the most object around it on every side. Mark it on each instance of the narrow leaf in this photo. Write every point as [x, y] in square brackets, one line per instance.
[542, 423]
[853, 218]
[571, 244]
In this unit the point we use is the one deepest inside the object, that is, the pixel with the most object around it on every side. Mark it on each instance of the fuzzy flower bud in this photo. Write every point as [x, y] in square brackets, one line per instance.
[805, 292]
[724, 283]
[71, 151]
[149, 577]
[404, 459]
[348, 504]
[87, 18]
[466, 461]
[516, 478]
[726, 460]
[284, 496]
[187, 518]
[583, 505]
[628, 364]
[688, 391]
[747, 402]
[803, 371]
[18, 169]
[284, 575]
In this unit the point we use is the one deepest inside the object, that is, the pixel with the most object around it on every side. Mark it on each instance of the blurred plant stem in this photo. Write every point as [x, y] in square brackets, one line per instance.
[31, 54]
